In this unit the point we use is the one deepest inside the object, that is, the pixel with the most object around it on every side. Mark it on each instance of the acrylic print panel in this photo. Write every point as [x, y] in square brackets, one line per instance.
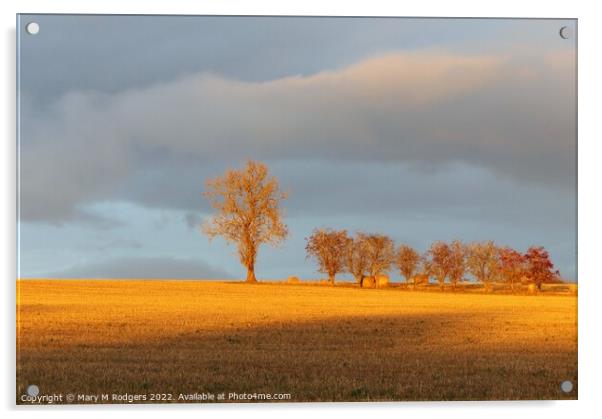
[295, 209]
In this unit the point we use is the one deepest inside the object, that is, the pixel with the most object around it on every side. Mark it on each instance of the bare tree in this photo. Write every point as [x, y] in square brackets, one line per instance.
[439, 262]
[408, 261]
[380, 251]
[483, 261]
[247, 202]
[357, 261]
[457, 266]
[426, 266]
[329, 248]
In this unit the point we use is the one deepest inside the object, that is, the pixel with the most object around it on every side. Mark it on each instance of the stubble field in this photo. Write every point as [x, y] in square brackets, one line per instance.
[316, 343]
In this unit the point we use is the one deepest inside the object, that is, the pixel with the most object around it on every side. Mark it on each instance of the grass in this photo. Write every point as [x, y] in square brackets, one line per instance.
[316, 343]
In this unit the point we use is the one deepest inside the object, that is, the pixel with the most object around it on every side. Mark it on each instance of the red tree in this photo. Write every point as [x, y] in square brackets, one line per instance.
[511, 265]
[539, 266]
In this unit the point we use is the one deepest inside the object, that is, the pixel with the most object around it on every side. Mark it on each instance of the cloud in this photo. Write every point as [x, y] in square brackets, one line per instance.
[112, 244]
[144, 268]
[391, 190]
[512, 115]
[193, 221]
[152, 49]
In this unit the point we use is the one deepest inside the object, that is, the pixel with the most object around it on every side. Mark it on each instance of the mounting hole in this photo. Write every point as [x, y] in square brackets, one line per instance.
[565, 32]
[33, 390]
[32, 28]
[566, 386]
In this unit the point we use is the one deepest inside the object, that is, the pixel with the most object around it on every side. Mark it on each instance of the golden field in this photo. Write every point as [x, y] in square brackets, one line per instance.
[318, 343]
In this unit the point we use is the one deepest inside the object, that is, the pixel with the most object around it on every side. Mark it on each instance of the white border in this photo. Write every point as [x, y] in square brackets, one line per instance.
[590, 349]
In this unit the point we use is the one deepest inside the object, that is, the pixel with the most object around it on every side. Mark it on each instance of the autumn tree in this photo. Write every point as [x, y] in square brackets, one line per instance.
[357, 258]
[439, 261]
[457, 265]
[539, 266]
[248, 213]
[380, 251]
[329, 248]
[408, 261]
[426, 265]
[511, 265]
[482, 261]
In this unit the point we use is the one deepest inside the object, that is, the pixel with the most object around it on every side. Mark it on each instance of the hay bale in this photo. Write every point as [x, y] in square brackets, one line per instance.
[368, 282]
[532, 289]
[421, 279]
[292, 280]
[382, 281]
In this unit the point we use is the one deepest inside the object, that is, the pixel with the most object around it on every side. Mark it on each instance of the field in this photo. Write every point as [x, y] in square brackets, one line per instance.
[316, 343]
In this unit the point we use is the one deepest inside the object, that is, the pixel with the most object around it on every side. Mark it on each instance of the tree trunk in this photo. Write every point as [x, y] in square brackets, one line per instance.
[331, 279]
[251, 274]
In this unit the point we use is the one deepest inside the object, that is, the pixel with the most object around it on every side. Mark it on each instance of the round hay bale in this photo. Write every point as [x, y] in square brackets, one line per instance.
[368, 282]
[292, 280]
[420, 279]
[424, 280]
[382, 281]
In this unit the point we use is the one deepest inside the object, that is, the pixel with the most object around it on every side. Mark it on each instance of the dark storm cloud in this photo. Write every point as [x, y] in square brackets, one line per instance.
[143, 268]
[394, 191]
[426, 109]
[113, 53]
[389, 189]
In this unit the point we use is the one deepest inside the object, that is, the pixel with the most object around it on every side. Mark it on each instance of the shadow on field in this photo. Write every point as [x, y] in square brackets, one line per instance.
[409, 357]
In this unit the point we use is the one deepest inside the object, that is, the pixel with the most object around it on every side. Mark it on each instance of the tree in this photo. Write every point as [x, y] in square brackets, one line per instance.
[408, 261]
[247, 202]
[357, 261]
[482, 261]
[380, 251]
[439, 254]
[539, 266]
[426, 265]
[511, 265]
[457, 266]
[329, 248]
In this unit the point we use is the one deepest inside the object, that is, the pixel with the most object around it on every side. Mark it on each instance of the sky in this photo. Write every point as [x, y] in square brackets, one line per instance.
[421, 129]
